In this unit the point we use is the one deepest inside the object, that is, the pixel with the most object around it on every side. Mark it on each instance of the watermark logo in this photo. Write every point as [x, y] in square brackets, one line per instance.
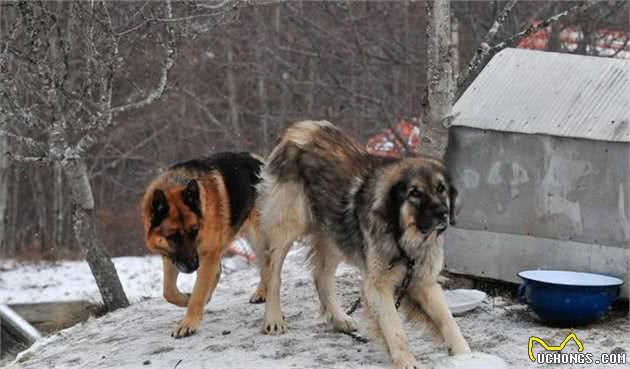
[560, 347]
[555, 354]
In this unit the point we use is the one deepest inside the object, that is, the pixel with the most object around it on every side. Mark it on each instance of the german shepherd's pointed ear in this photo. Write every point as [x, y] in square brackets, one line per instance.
[454, 203]
[159, 208]
[192, 197]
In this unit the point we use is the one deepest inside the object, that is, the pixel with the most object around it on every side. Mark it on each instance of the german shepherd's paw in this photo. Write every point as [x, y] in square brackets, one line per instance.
[405, 361]
[275, 327]
[185, 328]
[257, 298]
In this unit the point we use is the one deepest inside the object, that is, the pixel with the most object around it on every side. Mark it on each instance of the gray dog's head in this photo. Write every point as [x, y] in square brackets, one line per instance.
[418, 198]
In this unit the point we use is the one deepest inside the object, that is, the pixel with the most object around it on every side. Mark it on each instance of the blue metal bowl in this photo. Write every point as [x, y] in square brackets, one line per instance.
[568, 298]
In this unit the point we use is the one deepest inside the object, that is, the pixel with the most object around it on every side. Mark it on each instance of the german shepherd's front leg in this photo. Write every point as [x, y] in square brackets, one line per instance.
[208, 277]
[170, 291]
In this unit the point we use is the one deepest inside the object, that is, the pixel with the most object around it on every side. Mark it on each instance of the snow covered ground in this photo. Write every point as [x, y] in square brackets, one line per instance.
[71, 280]
[229, 336]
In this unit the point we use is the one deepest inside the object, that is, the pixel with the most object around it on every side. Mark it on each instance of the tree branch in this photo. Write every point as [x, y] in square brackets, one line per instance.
[485, 52]
[532, 29]
[27, 142]
[27, 159]
[164, 73]
[498, 23]
[230, 6]
[211, 117]
[91, 138]
[126, 155]
[306, 26]
[218, 5]
[620, 49]
[484, 46]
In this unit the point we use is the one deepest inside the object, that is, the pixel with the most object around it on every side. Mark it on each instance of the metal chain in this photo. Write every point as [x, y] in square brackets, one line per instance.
[402, 290]
[355, 306]
[356, 337]
[405, 282]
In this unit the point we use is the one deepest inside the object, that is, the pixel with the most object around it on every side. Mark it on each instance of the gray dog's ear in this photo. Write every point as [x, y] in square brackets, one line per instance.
[389, 209]
[454, 203]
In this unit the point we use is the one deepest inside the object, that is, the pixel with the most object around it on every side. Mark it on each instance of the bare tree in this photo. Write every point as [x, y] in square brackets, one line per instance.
[439, 82]
[61, 95]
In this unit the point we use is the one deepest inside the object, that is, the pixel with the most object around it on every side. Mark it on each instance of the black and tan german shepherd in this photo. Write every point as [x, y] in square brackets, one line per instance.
[191, 213]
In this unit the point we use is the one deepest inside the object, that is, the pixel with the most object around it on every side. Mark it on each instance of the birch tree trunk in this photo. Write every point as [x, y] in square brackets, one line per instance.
[261, 84]
[439, 90]
[454, 47]
[5, 169]
[10, 233]
[85, 231]
[264, 110]
[310, 97]
[555, 43]
[58, 206]
[282, 74]
[41, 214]
[230, 80]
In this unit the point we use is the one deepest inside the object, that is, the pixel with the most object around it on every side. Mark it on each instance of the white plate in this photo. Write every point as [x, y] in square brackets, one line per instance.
[463, 300]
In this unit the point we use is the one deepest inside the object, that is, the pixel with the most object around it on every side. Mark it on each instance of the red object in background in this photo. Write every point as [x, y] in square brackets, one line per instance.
[242, 249]
[606, 42]
[386, 143]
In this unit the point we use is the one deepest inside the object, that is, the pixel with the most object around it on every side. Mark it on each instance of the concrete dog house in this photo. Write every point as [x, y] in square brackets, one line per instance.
[540, 151]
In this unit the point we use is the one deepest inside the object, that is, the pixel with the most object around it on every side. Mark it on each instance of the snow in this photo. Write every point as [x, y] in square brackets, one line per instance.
[71, 280]
[141, 278]
[475, 360]
[230, 334]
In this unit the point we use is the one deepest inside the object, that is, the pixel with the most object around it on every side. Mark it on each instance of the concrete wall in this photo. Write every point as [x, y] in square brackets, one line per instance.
[562, 188]
[502, 255]
[567, 199]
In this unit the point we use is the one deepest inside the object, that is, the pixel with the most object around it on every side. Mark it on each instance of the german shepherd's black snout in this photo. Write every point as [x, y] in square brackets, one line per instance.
[186, 262]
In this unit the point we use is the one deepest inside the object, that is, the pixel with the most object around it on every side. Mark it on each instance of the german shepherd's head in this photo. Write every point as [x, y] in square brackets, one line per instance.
[418, 199]
[172, 217]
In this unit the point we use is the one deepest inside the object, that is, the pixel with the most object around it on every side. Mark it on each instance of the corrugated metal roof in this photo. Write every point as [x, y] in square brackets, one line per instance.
[558, 94]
